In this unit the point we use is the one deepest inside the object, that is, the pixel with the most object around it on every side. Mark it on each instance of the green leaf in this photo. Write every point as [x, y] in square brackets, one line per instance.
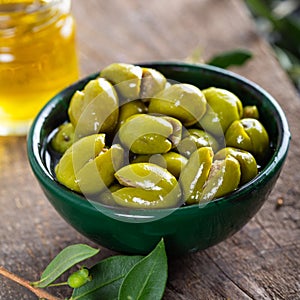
[289, 34]
[147, 279]
[259, 8]
[66, 259]
[226, 59]
[107, 277]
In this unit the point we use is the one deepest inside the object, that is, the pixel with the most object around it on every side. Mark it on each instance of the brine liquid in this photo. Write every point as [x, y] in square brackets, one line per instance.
[36, 61]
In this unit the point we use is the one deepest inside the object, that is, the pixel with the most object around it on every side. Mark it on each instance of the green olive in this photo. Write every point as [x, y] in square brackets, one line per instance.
[196, 138]
[79, 278]
[63, 138]
[223, 107]
[152, 83]
[146, 186]
[184, 102]
[203, 180]
[175, 163]
[106, 196]
[147, 134]
[95, 109]
[76, 157]
[176, 135]
[251, 112]
[126, 79]
[130, 108]
[195, 173]
[250, 135]
[87, 166]
[171, 161]
[98, 174]
[246, 160]
[224, 177]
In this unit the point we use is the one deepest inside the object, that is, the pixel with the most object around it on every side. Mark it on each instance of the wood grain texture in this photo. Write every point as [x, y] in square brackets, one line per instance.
[262, 260]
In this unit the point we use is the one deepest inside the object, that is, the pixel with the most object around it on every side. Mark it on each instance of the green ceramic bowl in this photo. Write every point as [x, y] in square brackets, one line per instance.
[186, 229]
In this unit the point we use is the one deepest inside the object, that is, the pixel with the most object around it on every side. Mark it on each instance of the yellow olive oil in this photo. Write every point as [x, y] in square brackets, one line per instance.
[37, 58]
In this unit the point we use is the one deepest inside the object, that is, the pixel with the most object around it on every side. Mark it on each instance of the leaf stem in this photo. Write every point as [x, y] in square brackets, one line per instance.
[38, 292]
[58, 284]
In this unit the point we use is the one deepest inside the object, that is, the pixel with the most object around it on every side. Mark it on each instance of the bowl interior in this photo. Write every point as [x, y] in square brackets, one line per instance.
[54, 114]
[202, 76]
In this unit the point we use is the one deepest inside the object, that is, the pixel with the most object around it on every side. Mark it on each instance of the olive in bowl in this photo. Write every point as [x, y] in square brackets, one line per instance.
[186, 225]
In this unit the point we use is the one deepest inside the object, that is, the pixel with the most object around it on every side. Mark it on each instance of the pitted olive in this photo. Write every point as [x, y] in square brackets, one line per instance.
[176, 135]
[195, 173]
[126, 78]
[63, 138]
[95, 109]
[171, 161]
[152, 83]
[87, 166]
[224, 177]
[76, 157]
[223, 107]
[149, 124]
[203, 179]
[250, 135]
[147, 134]
[184, 102]
[246, 160]
[146, 186]
[196, 138]
[98, 173]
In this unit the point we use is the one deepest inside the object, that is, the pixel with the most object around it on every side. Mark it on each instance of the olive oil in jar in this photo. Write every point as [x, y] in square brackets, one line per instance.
[37, 58]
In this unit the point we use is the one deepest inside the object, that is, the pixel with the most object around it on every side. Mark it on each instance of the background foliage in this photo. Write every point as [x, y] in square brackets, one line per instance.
[279, 22]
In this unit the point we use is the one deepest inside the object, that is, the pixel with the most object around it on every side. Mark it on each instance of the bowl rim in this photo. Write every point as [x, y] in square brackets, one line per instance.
[34, 145]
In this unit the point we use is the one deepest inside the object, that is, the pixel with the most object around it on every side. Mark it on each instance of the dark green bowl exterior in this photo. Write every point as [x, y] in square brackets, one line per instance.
[185, 229]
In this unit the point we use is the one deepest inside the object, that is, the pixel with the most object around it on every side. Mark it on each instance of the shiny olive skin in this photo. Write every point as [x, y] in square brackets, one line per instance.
[76, 157]
[203, 179]
[224, 178]
[146, 185]
[152, 83]
[184, 102]
[172, 161]
[94, 109]
[126, 78]
[147, 134]
[149, 124]
[246, 160]
[87, 166]
[96, 175]
[250, 135]
[223, 107]
[196, 138]
[79, 278]
[130, 108]
[195, 173]
[63, 138]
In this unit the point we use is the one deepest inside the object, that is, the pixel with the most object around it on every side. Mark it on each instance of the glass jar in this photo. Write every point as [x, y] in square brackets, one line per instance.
[37, 58]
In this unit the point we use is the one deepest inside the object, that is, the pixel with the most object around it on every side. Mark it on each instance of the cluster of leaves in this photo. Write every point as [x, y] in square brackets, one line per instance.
[279, 20]
[119, 277]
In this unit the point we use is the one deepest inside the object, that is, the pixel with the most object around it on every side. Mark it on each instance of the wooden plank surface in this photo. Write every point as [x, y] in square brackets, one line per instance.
[259, 262]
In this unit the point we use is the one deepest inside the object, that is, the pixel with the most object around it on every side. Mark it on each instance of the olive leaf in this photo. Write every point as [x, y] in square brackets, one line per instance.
[107, 277]
[147, 279]
[230, 58]
[66, 259]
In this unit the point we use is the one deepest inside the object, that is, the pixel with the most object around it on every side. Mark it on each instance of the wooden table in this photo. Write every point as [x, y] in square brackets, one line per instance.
[262, 260]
